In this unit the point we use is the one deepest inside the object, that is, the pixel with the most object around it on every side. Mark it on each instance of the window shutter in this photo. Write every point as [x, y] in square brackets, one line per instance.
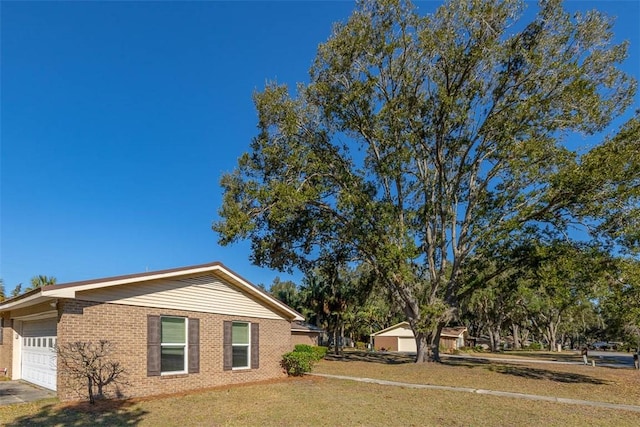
[227, 348]
[1, 329]
[255, 345]
[194, 346]
[153, 345]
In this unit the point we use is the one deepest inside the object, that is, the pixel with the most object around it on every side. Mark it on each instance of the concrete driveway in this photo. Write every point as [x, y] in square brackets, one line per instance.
[20, 392]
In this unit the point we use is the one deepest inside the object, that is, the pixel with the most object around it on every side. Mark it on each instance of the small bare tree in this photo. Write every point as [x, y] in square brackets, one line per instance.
[91, 363]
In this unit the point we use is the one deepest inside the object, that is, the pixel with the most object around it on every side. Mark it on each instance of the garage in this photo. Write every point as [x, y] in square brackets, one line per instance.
[38, 352]
[407, 344]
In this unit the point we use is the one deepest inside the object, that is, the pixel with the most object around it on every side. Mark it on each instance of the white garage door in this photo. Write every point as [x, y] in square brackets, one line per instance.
[407, 344]
[38, 352]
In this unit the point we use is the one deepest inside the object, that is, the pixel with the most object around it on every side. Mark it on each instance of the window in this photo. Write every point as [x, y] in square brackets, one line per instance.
[240, 344]
[173, 344]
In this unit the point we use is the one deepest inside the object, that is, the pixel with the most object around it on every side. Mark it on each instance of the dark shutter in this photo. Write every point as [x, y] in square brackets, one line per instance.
[1, 328]
[153, 345]
[194, 346]
[227, 347]
[255, 345]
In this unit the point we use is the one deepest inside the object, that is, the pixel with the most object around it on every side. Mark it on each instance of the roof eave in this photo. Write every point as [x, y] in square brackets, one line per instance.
[28, 301]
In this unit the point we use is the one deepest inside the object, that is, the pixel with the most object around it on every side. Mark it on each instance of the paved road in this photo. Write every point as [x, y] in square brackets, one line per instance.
[616, 359]
[610, 359]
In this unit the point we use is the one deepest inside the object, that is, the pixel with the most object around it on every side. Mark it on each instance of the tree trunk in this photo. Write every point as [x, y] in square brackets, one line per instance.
[552, 330]
[422, 346]
[435, 344]
[92, 399]
[494, 336]
[515, 332]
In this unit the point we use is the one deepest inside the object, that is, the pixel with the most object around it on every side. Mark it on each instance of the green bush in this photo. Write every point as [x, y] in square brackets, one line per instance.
[296, 363]
[304, 348]
[320, 351]
[302, 359]
[534, 346]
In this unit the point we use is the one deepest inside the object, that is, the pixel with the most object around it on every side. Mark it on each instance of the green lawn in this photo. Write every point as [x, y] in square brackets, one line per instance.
[315, 401]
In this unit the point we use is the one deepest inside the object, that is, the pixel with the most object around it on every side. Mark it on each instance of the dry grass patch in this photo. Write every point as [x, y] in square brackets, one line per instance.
[568, 381]
[316, 401]
[323, 402]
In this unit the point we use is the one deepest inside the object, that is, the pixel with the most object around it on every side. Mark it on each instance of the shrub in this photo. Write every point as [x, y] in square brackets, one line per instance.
[302, 359]
[90, 368]
[320, 352]
[361, 345]
[296, 363]
[304, 348]
[534, 346]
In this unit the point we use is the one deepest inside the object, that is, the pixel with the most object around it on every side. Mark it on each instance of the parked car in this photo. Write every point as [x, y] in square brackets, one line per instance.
[602, 345]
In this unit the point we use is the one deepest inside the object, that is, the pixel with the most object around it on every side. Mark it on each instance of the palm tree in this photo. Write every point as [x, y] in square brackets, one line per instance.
[41, 281]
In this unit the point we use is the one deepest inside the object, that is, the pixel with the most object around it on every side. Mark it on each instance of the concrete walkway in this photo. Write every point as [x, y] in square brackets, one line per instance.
[21, 392]
[633, 408]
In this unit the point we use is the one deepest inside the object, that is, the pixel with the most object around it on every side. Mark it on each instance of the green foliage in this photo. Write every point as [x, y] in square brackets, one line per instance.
[320, 351]
[302, 358]
[17, 290]
[534, 346]
[306, 348]
[287, 292]
[297, 363]
[41, 281]
[419, 138]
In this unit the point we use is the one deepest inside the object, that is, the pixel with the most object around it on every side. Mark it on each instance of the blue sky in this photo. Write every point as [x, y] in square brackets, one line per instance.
[118, 118]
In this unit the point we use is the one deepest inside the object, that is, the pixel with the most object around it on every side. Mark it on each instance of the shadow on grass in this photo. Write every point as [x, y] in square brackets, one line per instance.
[488, 364]
[527, 372]
[108, 413]
[543, 374]
[567, 356]
[377, 357]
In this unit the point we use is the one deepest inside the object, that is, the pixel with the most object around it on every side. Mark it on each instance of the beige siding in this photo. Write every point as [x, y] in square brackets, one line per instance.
[206, 294]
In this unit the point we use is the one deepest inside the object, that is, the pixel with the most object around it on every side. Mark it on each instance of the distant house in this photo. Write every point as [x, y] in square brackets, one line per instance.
[304, 333]
[172, 330]
[400, 338]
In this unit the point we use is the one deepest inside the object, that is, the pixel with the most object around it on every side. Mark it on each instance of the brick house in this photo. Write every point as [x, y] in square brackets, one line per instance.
[172, 330]
[305, 333]
[400, 337]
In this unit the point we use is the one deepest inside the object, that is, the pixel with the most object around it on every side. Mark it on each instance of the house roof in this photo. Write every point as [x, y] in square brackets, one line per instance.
[69, 290]
[390, 328]
[446, 332]
[299, 326]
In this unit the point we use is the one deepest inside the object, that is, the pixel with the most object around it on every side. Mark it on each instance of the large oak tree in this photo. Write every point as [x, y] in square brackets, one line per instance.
[419, 136]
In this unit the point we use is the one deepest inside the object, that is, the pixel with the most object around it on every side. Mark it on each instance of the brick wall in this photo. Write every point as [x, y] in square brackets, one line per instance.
[6, 347]
[126, 328]
[303, 338]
